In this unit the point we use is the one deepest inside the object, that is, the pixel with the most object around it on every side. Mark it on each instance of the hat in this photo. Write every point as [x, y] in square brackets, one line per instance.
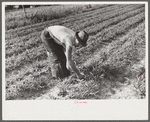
[82, 37]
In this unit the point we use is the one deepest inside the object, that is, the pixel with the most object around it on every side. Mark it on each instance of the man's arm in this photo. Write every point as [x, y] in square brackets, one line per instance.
[70, 64]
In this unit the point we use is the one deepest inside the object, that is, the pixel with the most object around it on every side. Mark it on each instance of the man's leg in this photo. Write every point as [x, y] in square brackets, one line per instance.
[56, 56]
[66, 72]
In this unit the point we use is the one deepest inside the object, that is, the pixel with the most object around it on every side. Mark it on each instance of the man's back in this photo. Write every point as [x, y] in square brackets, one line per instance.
[62, 33]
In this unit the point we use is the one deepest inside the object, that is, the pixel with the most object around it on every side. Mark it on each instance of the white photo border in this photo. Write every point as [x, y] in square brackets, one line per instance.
[66, 109]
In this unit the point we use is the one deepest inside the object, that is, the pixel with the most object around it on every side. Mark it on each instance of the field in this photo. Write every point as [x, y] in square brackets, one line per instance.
[113, 61]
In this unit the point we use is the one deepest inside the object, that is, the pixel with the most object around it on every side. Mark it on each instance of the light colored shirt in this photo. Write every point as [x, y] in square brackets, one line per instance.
[63, 34]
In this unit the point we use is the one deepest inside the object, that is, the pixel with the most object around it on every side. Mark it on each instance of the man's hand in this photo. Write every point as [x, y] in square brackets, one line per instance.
[70, 64]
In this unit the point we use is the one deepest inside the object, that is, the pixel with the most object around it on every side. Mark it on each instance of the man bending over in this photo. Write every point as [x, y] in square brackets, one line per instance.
[59, 41]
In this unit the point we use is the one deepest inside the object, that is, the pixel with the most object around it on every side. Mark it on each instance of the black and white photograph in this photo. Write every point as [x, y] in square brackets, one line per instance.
[75, 53]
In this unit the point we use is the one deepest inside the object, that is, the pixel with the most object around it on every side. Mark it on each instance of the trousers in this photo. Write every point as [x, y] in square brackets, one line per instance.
[56, 56]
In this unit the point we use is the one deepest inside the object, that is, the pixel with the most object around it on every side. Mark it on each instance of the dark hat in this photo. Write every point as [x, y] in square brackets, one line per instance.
[82, 37]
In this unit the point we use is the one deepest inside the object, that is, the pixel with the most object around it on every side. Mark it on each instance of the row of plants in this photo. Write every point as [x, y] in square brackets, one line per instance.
[135, 37]
[98, 38]
[89, 50]
[116, 69]
[98, 14]
[28, 44]
[33, 36]
[28, 83]
[38, 27]
[41, 14]
[91, 22]
[115, 20]
[32, 28]
[25, 58]
[15, 42]
[107, 36]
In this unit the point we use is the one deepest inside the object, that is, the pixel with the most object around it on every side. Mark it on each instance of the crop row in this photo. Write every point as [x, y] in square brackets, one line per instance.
[99, 18]
[33, 30]
[38, 27]
[123, 26]
[134, 37]
[17, 18]
[45, 14]
[23, 46]
[18, 31]
[108, 35]
[30, 43]
[17, 34]
[36, 69]
[25, 58]
[132, 49]
[113, 21]
[20, 42]
[98, 15]
[130, 38]
[120, 55]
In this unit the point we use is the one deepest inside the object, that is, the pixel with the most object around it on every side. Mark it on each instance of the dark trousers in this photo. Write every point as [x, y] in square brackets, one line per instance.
[57, 57]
